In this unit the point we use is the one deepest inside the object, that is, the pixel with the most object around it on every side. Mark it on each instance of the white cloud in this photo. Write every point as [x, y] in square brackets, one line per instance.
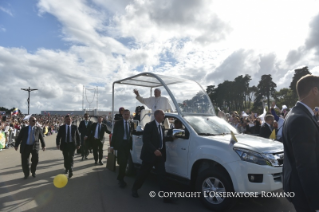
[6, 11]
[207, 41]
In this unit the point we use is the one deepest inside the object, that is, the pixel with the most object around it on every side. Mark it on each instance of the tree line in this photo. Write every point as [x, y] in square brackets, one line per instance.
[238, 95]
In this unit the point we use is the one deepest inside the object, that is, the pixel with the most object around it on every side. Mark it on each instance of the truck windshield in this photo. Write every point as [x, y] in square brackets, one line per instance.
[191, 98]
[210, 125]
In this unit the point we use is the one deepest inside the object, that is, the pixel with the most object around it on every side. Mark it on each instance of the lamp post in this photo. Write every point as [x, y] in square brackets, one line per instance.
[29, 91]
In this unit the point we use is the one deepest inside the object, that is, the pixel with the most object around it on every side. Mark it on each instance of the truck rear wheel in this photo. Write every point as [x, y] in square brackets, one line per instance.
[210, 183]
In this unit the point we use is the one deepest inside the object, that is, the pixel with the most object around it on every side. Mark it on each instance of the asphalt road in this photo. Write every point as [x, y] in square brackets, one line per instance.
[94, 188]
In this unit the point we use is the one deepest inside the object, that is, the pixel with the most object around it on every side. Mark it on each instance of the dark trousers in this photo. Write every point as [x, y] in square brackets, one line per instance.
[303, 208]
[28, 149]
[84, 147]
[146, 169]
[97, 149]
[122, 158]
[68, 154]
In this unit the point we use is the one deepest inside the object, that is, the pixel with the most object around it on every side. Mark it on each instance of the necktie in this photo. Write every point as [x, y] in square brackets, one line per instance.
[86, 123]
[68, 134]
[160, 134]
[30, 136]
[98, 131]
[127, 130]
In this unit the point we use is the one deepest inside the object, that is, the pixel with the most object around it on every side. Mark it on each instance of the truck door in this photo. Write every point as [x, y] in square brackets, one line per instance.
[177, 150]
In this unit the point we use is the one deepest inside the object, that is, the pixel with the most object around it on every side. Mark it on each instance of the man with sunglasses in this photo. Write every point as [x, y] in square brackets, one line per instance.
[29, 137]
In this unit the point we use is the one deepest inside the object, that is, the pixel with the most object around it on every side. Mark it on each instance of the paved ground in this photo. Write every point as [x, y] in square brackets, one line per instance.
[94, 188]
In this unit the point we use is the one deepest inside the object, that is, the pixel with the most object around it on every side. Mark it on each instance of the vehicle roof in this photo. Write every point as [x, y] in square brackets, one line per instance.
[147, 79]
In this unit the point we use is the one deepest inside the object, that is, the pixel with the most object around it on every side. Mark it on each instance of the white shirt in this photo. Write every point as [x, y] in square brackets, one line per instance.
[66, 130]
[161, 132]
[156, 103]
[96, 135]
[310, 110]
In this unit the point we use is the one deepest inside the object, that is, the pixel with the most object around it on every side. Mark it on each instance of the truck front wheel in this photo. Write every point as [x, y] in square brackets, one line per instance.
[211, 182]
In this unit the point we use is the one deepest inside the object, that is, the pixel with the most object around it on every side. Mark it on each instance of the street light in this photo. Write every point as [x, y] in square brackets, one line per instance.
[29, 91]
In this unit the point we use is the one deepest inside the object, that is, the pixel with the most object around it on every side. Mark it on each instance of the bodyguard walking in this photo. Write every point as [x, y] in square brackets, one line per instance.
[153, 154]
[29, 137]
[301, 147]
[67, 140]
[84, 128]
[96, 135]
[122, 142]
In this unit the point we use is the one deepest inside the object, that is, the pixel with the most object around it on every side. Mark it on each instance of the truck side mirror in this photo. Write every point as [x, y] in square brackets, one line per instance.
[178, 132]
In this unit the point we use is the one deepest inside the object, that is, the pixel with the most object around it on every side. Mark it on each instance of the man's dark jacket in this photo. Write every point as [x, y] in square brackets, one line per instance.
[264, 131]
[103, 130]
[84, 130]
[152, 142]
[75, 136]
[301, 158]
[118, 134]
[23, 137]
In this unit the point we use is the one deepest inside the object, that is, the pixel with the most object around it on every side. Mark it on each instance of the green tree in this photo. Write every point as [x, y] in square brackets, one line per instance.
[266, 88]
[298, 74]
[250, 95]
[284, 97]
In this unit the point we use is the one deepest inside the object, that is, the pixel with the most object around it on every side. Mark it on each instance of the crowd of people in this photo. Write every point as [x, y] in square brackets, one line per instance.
[260, 125]
[10, 126]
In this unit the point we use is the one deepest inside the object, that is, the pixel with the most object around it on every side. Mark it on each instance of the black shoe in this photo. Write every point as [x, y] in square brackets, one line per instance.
[26, 177]
[86, 158]
[70, 175]
[122, 184]
[82, 158]
[101, 163]
[34, 175]
[134, 194]
[95, 162]
[66, 171]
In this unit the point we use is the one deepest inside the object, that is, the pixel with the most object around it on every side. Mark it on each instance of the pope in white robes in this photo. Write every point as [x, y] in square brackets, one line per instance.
[155, 103]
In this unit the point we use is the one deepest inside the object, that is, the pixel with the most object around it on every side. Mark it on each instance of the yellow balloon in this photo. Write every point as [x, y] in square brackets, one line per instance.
[60, 181]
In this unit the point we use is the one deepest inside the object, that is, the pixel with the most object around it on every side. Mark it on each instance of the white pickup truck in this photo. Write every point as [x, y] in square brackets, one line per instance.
[203, 155]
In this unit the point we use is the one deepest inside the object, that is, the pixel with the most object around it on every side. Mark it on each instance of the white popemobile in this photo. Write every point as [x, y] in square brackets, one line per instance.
[202, 155]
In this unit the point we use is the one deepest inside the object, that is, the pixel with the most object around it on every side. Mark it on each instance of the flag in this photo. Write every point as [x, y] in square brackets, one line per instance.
[233, 139]
[15, 112]
[273, 135]
[262, 116]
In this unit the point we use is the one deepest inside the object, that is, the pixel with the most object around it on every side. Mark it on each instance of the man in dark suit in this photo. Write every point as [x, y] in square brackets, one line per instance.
[29, 139]
[122, 142]
[153, 153]
[84, 128]
[96, 135]
[67, 140]
[266, 129]
[301, 147]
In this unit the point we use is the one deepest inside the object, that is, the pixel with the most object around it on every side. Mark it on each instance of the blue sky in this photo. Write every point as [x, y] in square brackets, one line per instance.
[24, 28]
[60, 46]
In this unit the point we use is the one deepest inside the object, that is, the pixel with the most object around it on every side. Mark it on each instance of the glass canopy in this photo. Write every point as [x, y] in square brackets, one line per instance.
[187, 96]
